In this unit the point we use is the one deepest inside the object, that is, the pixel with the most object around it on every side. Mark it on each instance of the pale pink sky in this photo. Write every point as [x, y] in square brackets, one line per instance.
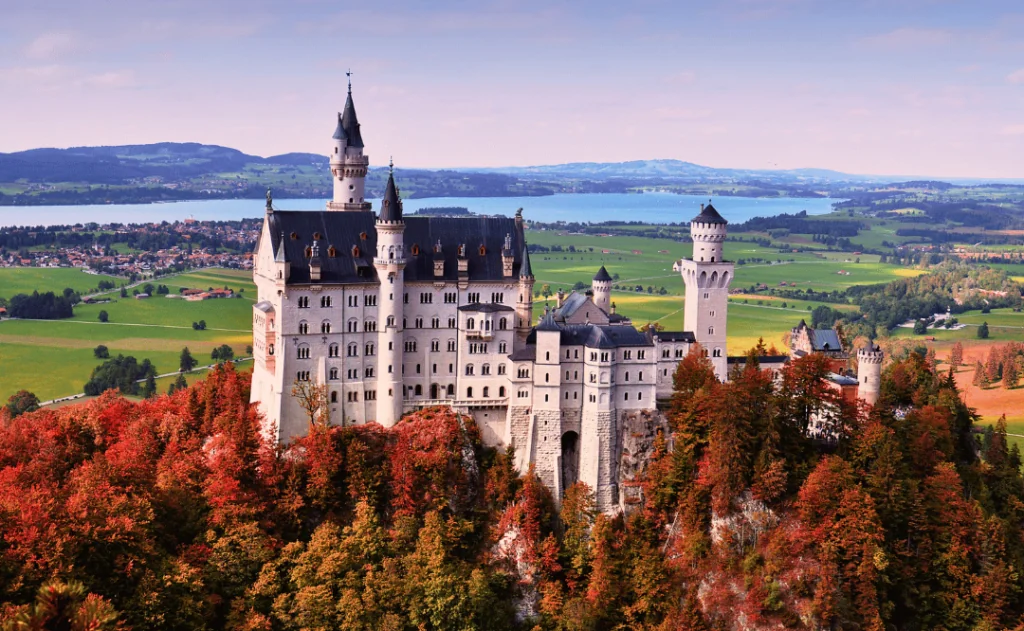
[903, 87]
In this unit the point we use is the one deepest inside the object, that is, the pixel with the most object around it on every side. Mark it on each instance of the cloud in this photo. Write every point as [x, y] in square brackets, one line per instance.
[1016, 77]
[1013, 130]
[112, 79]
[909, 38]
[33, 74]
[49, 46]
[686, 77]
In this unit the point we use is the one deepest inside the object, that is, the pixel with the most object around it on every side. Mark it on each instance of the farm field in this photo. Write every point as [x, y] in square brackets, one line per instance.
[55, 358]
[25, 280]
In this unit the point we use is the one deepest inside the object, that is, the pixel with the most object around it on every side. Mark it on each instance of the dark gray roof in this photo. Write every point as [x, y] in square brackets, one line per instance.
[615, 336]
[339, 131]
[391, 205]
[547, 323]
[264, 306]
[344, 230]
[526, 353]
[825, 340]
[675, 336]
[526, 271]
[602, 275]
[485, 307]
[280, 256]
[570, 306]
[349, 124]
[709, 215]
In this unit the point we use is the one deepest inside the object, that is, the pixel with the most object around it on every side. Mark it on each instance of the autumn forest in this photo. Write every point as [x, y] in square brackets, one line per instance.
[768, 504]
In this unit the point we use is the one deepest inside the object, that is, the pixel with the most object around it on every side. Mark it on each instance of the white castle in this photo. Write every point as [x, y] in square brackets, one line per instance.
[396, 313]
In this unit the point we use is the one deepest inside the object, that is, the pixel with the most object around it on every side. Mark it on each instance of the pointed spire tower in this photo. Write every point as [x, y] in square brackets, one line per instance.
[390, 264]
[348, 164]
[524, 305]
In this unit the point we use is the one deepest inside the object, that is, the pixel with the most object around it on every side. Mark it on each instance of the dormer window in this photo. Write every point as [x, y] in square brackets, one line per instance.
[415, 249]
[332, 251]
[362, 236]
[317, 236]
[295, 236]
[308, 252]
[355, 251]
[483, 250]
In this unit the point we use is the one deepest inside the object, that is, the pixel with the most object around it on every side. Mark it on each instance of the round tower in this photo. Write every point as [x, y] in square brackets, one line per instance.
[602, 287]
[869, 373]
[707, 277]
[390, 265]
[524, 303]
[348, 164]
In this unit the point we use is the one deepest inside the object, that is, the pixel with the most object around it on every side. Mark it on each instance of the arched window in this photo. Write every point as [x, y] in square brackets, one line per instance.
[469, 369]
[353, 350]
[333, 373]
[469, 392]
[302, 352]
[501, 392]
[485, 369]
[303, 327]
[419, 390]
[451, 390]
[503, 324]
[334, 396]
[470, 323]
[332, 350]
[325, 327]
[487, 392]
[501, 369]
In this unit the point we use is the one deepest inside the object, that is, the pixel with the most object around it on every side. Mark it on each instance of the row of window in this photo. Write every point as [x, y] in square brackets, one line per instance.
[327, 302]
[485, 369]
[485, 325]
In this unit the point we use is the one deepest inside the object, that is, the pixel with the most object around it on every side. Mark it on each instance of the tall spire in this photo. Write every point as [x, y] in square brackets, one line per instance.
[280, 258]
[391, 207]
[525, 271]
[348, 123]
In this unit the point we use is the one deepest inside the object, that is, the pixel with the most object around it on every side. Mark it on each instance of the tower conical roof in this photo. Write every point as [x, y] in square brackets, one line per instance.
[391, 207]
[602, 275]
[279, 257]
[709, 215]
[348, 124]
[526, 271]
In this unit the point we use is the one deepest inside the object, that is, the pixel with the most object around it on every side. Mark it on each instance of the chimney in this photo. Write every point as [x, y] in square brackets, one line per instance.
[559, 298]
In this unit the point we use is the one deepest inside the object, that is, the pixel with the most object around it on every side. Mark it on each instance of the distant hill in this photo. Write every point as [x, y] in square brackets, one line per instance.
[673, 170]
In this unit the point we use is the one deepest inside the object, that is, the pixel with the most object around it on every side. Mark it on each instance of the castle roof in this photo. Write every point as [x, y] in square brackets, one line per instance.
[391, 206]
[526, 271]
[590, 335]
[708, 214]
[824, 340]
[547, 323]
[602, 275]
[348, 124]
[280, 256]
[348, 241]
[485, 307]
[675, 336]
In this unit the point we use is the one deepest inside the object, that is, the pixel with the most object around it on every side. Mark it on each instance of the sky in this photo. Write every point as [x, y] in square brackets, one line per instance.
[891, 87]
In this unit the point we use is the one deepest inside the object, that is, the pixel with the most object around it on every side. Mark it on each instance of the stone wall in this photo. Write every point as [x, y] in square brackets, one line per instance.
[519, 418]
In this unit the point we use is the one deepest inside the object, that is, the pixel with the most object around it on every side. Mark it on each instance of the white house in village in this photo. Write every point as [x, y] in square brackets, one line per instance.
[395, 313]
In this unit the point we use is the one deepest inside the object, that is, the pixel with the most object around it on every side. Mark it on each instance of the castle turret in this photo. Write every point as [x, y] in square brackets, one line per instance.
[707, 277]
[602, 286]
[869, 373]
[281, 265]
[390, 264]
[524, 305]
[348, 164]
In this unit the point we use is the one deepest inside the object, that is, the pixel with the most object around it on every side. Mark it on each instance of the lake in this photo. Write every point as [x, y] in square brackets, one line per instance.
[647, 207]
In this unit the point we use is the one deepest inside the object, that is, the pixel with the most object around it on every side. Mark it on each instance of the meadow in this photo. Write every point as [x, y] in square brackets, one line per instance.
[25, 280]
[54, 358]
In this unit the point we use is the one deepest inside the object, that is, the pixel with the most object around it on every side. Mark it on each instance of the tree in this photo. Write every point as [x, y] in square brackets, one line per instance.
[101, 352]
[124, 292]
[22, 401]
[222, 353]
[920, 327]
[66, 606]
[177, 384]
[1010, 375]
[186, 362]
[980, 379]
[983, 331]
[956, 355]
[545, 291]
[312, 398]
[104, 317]
[149, 389]
[993, 367]
[248, 350]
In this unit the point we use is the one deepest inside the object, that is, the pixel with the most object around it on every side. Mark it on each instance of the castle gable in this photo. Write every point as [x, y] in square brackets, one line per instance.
[580, 309]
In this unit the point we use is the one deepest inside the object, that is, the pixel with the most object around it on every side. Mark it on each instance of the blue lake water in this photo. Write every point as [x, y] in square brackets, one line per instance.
[648, 207]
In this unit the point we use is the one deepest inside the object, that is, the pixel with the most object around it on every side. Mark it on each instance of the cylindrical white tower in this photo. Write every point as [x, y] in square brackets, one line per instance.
[602, 286]
[348, 164]
[390, 264]
[869, 373]
[524, 303]
[707, 277]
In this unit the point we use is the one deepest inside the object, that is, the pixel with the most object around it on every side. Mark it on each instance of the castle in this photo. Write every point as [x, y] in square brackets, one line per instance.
[394, 313]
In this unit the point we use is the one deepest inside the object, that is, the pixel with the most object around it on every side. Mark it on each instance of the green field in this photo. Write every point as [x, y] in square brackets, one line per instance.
[25, 280]
[54, 358]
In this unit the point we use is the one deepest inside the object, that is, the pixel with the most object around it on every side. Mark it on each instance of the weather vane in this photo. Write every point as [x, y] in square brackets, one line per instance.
[349, 75]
